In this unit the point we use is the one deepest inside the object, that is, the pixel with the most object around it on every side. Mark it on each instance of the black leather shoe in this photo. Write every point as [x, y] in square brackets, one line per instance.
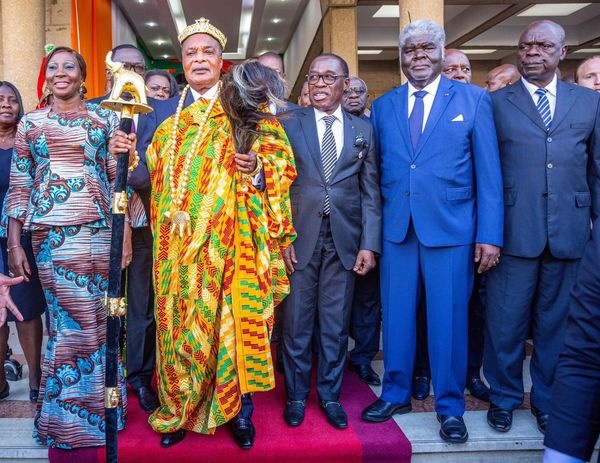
[453, 429]
[380, 410]
[478, 389]
[169, 439]
[366, 374]
[5, 391]
[294, 412]
[147, 399]
[421, 387]
[336, 416]
[243, 432]
[499, 418]
[541, 418]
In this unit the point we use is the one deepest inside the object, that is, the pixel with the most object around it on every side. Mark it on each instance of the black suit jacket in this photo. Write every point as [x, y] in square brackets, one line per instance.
[575, 415]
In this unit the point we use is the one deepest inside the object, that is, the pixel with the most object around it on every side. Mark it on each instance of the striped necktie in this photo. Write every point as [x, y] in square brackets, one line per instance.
[328, 155]
[543, 107]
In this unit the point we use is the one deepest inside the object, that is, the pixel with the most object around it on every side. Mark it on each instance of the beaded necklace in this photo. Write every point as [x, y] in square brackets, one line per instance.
[178, 218]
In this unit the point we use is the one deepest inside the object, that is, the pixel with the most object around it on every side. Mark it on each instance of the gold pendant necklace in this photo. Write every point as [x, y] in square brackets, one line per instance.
[178, 218]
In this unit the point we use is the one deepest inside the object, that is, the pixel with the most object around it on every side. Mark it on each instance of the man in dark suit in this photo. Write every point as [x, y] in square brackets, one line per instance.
[140, 337]
[574, 423]
[365, 319]
[336, 213]
[549, 138]
[442, 207]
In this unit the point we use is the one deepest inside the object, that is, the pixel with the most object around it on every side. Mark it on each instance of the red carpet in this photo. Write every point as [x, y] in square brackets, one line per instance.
[314, 441]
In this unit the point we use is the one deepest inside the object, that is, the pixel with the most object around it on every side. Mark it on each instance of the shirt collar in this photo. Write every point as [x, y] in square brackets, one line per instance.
[551, 87]
[431, 89]
[209, 94]
[337, 113]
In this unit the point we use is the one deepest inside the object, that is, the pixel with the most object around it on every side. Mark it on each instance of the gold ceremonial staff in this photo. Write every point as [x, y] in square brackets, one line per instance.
[124, 82]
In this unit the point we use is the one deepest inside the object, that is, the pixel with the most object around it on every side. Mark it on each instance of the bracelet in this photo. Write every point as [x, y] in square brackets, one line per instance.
[258, 168]
[14, 246]
[136, 161]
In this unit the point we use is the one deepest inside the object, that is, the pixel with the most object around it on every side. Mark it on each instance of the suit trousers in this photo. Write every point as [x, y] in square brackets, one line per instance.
[446, 273]
[365, 320]
[141, 328]
[319, 304]
[524, 292]
[476, 330]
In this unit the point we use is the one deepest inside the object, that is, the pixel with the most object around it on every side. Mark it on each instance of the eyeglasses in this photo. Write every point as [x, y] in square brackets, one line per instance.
[137, 67]
[328, 79]
[158, 88]
[358, 90]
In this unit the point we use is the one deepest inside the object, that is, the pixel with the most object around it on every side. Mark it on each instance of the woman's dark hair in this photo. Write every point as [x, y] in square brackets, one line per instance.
[78, 58]
[6, 83]
[173, 86]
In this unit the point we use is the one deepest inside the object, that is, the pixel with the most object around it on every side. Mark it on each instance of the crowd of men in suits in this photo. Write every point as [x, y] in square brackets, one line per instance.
[459, 216]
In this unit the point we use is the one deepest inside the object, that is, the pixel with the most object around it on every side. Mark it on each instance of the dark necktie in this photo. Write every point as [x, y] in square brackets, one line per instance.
[543, 107]
[415, 121]
[328, 155]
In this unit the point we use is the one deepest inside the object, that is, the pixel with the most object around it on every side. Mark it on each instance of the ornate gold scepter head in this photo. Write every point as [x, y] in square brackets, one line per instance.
[125, 81]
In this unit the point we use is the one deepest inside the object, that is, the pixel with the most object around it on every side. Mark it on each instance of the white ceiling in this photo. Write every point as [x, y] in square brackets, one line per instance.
[470, 24]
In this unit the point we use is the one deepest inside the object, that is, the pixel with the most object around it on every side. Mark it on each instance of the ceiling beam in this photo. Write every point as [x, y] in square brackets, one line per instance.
[589, 44]
[487, 25]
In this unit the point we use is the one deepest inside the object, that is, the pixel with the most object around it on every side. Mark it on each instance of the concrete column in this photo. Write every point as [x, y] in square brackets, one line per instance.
[340, 31]
[23, 33]
[411, 10]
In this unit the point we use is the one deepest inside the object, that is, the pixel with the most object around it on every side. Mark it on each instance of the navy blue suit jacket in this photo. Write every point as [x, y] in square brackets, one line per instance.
[551, 178]
[575, 414]
[451, 185]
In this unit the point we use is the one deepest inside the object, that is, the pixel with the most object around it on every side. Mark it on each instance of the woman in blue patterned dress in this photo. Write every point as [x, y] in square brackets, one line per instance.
[60, 189]
[28, 296]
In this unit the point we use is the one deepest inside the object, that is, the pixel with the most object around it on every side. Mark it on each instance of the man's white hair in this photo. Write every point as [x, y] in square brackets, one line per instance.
[421, 27]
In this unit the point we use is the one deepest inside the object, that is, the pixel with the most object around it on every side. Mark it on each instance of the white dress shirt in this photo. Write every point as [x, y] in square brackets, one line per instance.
[337, 128]
[209, 94]
[551, 93]
[431, 90]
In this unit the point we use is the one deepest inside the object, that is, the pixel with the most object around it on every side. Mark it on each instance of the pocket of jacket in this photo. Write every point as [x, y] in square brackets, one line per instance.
[457, 194]
[583, 199]
[510, 196]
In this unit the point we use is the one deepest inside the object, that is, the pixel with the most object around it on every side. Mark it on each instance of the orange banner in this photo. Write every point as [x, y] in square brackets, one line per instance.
[91, 35]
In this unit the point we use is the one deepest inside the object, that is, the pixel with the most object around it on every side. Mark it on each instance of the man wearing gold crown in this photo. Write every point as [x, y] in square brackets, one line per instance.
[218, 242]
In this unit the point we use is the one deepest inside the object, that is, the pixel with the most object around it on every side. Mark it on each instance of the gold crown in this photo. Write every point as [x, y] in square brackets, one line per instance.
[203, 26]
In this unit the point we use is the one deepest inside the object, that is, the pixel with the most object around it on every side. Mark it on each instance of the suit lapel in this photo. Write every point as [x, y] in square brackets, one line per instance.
[442, 98]
[564, 101]
[309, 129]
[401, 112]
[521, 99]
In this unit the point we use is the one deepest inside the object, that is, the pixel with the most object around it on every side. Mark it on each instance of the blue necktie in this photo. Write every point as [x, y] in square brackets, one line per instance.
[415, 121]
[543, 107]
[328, 156]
